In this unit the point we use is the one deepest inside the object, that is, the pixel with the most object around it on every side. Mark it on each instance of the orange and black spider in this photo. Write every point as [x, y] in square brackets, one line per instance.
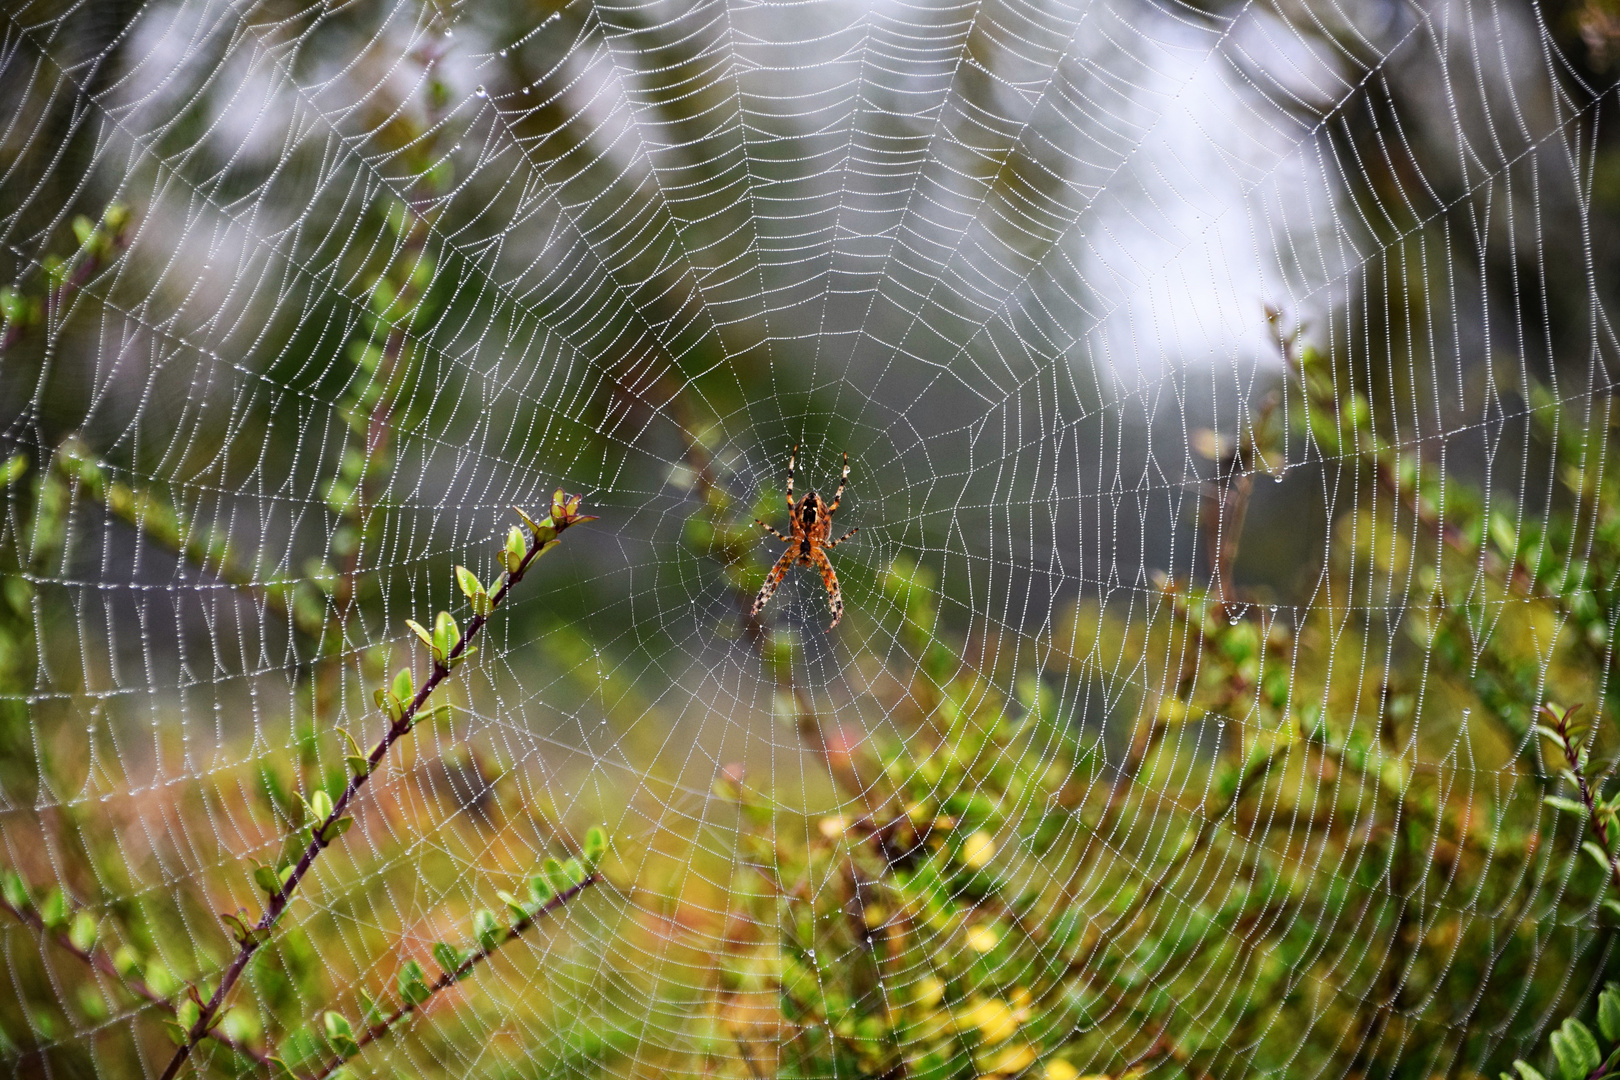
[811, 524]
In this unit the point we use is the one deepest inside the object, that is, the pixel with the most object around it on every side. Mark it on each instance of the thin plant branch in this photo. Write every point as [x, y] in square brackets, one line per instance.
[324, 832]
[449, 978]
[103, 963]
[1558, 728]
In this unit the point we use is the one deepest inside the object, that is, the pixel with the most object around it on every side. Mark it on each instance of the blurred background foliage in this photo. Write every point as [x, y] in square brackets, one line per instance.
[1184, 719]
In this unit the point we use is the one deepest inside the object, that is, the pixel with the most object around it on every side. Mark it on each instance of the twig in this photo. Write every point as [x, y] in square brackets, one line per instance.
[103, 963]
[260, 932]
[1576, 758]
[1252, 772]
[381, 1028]
[108, 239]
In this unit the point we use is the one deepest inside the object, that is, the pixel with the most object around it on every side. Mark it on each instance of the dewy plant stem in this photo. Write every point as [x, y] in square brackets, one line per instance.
[565, 512]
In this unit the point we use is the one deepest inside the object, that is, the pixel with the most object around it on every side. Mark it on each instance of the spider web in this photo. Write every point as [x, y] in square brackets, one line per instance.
[1016, 259]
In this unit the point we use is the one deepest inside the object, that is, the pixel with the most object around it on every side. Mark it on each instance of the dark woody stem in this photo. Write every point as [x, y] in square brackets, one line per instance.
[103, 963]
[1600, 827]
[260, 932]
[384, 1026]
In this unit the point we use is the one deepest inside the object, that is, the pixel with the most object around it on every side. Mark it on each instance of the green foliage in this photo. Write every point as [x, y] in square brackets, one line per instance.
[941, 926]
[1577, 1053]
[999, 884]
[199, 1014]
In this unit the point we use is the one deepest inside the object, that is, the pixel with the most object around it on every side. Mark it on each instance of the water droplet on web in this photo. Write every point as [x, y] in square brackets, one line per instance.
[481, 92]
[1277, 477]
[1274, 609]
[503, 54]
[449, 33]
[525, 89]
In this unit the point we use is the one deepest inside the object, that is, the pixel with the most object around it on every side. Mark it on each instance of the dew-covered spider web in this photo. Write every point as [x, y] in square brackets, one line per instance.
[1226, 393]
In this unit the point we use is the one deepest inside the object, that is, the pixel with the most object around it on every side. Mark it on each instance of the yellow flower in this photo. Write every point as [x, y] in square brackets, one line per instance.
[995, 1021]
[831, 827]
[978, 850]
[929, 990]
[1058, 1069]
[1012, 1058]
[982, 939]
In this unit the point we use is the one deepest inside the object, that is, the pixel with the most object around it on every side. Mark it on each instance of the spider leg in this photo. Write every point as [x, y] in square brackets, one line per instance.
[839, 494]
[773, 579]
[772, 530]
[841, 539]
[792, 460]
[829, 578]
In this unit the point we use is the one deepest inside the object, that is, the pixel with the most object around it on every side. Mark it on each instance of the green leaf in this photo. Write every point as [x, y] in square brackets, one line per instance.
[15, 891]
[413, 987]
[420, 631]
[1526, 1072]
[1568, 806]
[12, 306]
[14, 469]
[1576, 1050]
[519, 912]
[595, 845]
[475, 592]
[178, 1034]
[83, 932]
[574, 872]
[533, 525]
[560, 881]
[541, 890]
[485, 929]
[448, 956]
[1609, 1013]
[544, 532]
[371, 1010]
[159, 979]
[245, 932]
[336, 829]
[1599, 856]
[320, 806]
[516, 548]
[53, 910]
[359, 763]
[446, 636]
[339, 1034]
[404, 688]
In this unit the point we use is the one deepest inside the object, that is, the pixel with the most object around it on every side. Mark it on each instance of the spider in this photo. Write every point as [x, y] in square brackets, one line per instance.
[811, 524]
